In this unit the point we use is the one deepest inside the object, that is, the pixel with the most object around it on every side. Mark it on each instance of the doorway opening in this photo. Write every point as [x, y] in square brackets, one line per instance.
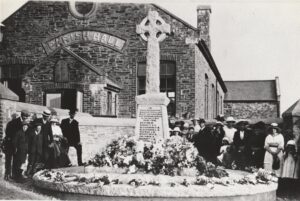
[64, 99]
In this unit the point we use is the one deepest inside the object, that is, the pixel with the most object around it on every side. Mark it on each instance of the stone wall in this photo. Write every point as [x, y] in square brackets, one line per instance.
[95, 132]
[251, 110]
[10, 109]
[38, 21]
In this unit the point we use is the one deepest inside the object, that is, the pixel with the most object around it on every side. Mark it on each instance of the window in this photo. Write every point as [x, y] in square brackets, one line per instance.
[167, 82]
[109, 103]
[206, 97]
[213, 101]
[221, 100]
[218, 103]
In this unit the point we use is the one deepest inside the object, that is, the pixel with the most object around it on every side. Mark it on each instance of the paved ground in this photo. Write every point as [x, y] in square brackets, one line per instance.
[26, 191]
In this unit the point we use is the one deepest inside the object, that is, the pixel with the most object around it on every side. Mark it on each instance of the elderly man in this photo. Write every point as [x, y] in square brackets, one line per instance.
[229, 129]
[11, 129]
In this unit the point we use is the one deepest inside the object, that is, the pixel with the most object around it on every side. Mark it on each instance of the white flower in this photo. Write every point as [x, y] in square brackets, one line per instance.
[132, 169]
[140, 158]
[127, 159]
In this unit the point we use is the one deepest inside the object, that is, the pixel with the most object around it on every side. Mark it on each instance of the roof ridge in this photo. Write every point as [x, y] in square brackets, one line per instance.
[248, 80]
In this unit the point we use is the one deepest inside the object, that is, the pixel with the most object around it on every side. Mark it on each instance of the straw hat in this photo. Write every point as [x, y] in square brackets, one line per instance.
[291, 142]
[54, 119]
[176, 129]
[46, 113]
[230, 119]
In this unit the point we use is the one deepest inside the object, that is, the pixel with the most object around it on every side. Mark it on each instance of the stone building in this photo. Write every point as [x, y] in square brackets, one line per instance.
[88, 55]
[255, 99]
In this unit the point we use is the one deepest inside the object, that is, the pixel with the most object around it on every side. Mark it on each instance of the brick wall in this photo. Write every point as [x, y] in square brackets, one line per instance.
[251, 110]
[37, 22]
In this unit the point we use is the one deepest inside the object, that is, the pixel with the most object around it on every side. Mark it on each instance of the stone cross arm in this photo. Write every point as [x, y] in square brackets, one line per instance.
[153, 26]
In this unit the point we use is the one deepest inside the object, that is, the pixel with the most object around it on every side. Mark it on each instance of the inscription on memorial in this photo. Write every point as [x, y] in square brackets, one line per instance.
[150, 122]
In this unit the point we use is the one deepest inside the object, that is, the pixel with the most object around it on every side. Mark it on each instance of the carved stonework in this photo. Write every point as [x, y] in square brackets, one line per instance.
[82, 10]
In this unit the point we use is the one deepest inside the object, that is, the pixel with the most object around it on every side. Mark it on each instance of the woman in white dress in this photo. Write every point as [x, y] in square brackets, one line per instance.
[60, 156]
[274, 145]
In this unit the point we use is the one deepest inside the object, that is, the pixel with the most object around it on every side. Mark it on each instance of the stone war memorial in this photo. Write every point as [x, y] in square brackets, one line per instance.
[152, 116]
[150, 165]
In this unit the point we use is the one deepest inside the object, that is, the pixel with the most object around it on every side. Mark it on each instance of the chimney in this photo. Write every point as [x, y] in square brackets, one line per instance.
[203, 17]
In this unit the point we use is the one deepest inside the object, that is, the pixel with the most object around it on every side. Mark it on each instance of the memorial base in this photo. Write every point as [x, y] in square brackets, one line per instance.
[152, 117]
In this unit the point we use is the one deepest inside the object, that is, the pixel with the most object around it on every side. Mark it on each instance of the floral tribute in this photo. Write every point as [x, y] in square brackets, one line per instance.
[167, 157]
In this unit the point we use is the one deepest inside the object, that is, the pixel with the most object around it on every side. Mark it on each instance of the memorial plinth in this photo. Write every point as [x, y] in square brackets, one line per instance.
[152, 117]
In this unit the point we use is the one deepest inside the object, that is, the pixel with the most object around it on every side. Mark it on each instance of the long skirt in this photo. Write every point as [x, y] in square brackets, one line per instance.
[268, 161]
[290, 168]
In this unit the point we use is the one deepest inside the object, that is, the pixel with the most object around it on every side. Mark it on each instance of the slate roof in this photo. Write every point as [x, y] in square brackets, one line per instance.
[294, 110]
[253, 90]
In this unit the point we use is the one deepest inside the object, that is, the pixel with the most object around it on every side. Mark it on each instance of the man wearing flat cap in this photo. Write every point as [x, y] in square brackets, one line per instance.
[70, 130]
[10, 132]
[20, 144]
[47, 135]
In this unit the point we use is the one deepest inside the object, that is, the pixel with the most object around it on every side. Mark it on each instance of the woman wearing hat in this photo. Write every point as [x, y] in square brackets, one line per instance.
[229, 129]
[176, 134]
[274, 145]
[59, 156]
[290, 168]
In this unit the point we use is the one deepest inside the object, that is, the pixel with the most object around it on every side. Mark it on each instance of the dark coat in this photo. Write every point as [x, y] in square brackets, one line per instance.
[205, 142]
[71, 131]
[238, 142]
[11, 130]
[20, 143]
[46, 131]
[35, 143]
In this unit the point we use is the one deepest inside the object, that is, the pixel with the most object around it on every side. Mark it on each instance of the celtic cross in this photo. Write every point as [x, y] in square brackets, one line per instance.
[153, 29]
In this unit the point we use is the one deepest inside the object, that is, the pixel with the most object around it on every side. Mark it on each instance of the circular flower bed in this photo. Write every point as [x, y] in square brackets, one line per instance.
[170, 168]
[167, 157]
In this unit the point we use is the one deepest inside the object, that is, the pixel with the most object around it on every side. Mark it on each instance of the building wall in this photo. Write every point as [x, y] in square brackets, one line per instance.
[95, 132]
[251, 110]
[37, 22]
[202, 68]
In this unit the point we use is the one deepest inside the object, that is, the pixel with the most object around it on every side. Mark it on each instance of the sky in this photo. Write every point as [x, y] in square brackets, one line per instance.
[250, 40]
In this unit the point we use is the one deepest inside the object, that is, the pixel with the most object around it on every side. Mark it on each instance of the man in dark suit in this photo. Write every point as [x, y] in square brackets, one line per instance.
[70, 130]
[10, 132]
[20, 144]
[240, 143]
[205, 142]
[47, 135]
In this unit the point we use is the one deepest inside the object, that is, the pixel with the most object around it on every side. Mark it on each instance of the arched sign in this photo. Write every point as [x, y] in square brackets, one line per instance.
[70, 38]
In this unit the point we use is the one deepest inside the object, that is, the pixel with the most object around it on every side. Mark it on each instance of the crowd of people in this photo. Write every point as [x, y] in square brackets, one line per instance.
[41, 142]
[239, 145]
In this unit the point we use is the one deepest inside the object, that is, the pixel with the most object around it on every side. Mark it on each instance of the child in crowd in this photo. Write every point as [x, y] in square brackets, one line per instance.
[225, 157]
